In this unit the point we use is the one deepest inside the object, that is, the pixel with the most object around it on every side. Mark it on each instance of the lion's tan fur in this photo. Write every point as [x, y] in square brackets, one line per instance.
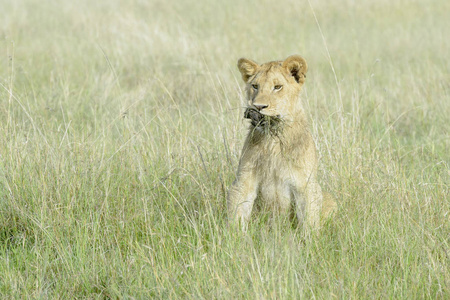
[282, 168]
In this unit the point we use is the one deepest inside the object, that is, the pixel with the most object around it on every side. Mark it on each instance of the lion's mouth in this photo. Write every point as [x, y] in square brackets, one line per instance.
[259, 120]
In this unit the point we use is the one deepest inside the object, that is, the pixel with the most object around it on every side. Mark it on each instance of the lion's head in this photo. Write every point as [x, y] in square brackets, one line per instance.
[273, 89]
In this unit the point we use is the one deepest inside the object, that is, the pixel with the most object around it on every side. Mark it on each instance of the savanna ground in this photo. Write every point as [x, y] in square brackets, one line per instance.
[121, 127]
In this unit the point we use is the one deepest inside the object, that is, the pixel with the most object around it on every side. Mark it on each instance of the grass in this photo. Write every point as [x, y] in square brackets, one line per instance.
[121, 124]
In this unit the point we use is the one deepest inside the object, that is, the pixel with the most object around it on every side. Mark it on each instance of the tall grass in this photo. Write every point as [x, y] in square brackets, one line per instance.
[121, 127]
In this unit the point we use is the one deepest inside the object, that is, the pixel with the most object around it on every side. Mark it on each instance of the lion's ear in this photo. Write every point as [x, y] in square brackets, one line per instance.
[247, 68]
[297, 67]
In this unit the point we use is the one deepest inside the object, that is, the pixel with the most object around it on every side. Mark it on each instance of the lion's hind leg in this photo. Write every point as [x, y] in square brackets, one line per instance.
[329, 207]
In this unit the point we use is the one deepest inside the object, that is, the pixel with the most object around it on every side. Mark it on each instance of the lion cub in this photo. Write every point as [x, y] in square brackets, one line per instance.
[278, 161]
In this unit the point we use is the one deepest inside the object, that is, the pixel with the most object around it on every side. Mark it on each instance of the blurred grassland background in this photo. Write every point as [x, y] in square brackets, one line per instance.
[121, 127]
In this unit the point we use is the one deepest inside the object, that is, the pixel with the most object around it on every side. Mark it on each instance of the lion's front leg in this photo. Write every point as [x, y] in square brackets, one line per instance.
[308, 204]
[241, 197]
[314, 204]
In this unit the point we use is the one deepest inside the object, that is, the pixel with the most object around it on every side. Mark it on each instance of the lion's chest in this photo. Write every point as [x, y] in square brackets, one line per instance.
[277, 177]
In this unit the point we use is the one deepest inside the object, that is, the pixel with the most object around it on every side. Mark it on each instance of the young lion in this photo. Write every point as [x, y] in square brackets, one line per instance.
[278, 160]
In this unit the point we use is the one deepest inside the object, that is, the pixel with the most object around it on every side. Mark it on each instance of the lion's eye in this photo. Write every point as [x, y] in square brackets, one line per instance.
[255, 86]
[277, 87]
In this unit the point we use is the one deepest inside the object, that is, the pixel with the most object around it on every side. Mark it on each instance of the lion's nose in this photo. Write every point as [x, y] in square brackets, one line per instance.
[260, 106]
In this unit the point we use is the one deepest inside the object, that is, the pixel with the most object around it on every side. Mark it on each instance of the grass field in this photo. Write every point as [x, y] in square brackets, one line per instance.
[121, 128]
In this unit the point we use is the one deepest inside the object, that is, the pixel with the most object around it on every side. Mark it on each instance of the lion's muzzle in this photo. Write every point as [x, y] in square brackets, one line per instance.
[259, 120]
